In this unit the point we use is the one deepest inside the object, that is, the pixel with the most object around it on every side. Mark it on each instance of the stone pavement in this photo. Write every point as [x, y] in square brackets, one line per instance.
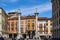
[7, 39]
[25, 39]
[29, 39]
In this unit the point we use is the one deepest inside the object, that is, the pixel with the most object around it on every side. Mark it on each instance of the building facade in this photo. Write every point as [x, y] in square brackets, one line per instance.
[31, 26]
[45, 27]
[13, 25]
[28, 26]
[56, 19]
[3, 23]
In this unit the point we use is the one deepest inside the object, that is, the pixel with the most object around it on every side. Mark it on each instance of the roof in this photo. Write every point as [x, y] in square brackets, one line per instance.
[12, 12]
[44, 18]
[3, 11]
[27, 17]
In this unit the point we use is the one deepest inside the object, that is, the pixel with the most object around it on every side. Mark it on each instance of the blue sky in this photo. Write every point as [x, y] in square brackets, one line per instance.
[28, 7]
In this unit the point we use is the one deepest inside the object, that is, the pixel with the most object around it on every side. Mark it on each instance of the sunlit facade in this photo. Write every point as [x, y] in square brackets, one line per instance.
[3, 23]
[45, 27]
[28, 25]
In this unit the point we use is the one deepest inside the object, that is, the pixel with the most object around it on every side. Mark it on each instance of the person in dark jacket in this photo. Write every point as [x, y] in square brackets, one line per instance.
[1, 38]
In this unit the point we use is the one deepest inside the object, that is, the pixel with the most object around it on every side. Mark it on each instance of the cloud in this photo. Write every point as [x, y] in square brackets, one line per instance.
[31, 10]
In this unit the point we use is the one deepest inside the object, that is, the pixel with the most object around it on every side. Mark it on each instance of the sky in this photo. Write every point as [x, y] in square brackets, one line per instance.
[28, 7]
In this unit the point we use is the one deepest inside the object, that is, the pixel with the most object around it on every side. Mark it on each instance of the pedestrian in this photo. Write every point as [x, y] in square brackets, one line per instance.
[1, 38]
[27, 38]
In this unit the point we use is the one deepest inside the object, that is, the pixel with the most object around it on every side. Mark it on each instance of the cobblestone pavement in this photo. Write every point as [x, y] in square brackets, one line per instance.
[29, 39]
[24, 39]
[8, 39]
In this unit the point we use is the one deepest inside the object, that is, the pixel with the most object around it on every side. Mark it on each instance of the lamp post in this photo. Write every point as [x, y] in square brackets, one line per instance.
[36, 14]
[19, 15]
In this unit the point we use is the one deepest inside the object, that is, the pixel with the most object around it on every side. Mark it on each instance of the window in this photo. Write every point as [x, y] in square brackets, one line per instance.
[25, 22]
[21, 25]
[32, 20]
[12, 29]
[51, 24]
[32, 25]
[40, 25]
[9, 26]
[51, 30]
[46, 20]
[40, 28]
[46, 30]
[12, 24]
[46, 24]
[21, 22]
[40, 32]
[21, 29]
[28, 20]
[3, 19]
[28, 25]
[16, 24]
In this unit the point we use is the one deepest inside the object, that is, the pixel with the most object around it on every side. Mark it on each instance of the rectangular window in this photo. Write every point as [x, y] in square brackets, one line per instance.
[33, 26]
[28, 26]
[51, 24]
[40, 25]
[32, 20]
[12, 24]
[50, 30]
[21, 29]
[21, 22]
[28, 20]
[46, 24]
[41, 30]
[16, 24]
[46, 30]
[12, 29]
[21, 25]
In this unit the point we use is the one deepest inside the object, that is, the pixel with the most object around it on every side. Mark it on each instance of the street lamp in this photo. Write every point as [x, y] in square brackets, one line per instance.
[19, 16]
